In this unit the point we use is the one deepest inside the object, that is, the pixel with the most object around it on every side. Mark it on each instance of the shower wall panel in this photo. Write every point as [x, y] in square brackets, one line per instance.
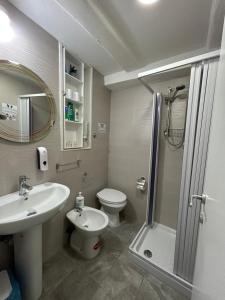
[170, 161]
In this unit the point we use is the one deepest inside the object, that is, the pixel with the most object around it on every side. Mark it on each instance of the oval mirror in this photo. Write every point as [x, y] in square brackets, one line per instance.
[27, 106]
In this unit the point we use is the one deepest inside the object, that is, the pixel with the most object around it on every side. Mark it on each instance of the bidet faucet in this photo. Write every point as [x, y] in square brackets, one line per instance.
[79, 210]
[24, 188]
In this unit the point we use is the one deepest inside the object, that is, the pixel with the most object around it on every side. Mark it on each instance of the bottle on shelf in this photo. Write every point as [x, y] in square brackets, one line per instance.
[76, 114]
[69, 93]
[70, 114]
[76, 96]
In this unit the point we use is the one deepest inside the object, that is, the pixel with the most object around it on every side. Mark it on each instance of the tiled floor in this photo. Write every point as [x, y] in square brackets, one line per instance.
[109, 276]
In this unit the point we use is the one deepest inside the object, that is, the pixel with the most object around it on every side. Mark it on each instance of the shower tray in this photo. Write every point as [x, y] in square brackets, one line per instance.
[153, 249]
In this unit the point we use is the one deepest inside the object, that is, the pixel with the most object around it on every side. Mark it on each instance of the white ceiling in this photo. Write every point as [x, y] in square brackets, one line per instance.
[117, 35]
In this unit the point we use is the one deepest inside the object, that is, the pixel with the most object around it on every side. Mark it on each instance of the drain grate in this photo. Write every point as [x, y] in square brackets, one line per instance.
[148, 253]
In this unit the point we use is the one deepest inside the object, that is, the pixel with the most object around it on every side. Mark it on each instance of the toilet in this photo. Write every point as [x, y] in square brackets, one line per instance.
[112, 202]
[89, 224]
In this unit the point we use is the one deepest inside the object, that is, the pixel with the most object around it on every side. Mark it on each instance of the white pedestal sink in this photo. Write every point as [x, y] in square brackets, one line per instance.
[24, 218]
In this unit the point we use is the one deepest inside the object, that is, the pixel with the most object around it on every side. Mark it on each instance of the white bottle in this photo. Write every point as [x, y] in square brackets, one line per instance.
[79, 203]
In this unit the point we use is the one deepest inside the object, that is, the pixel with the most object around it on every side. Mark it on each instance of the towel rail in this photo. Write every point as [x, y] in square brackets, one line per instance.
[66, 166]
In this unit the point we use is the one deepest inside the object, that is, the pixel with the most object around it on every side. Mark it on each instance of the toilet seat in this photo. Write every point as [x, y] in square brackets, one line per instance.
[112, 203]
[112, 197]
[115, 205]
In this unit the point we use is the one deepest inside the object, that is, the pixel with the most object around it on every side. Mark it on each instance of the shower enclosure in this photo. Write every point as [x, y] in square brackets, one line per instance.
[166, 243]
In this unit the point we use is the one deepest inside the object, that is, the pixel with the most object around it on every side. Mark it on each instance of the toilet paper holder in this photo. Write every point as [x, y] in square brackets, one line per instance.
[141, 184]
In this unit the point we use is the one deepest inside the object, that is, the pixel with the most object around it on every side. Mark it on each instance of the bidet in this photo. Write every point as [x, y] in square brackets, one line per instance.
[89, 224]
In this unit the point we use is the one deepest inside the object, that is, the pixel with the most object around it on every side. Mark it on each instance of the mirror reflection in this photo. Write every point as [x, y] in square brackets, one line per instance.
[27, 109]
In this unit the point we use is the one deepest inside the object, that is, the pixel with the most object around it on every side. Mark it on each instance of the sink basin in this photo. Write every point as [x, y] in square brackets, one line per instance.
[44, 201]
[23, 218]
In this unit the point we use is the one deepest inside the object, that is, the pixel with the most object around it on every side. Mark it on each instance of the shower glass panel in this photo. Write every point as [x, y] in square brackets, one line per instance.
[156, 111]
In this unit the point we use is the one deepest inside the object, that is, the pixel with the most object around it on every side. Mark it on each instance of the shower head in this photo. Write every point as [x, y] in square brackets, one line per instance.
[177, 89]
[173, 93]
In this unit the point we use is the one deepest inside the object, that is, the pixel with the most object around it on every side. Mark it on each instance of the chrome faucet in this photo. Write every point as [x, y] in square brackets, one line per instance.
[24, 188]
[79, 210]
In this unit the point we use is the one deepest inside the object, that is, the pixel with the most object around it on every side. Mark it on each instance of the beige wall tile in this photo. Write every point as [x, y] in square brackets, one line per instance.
[130, 122]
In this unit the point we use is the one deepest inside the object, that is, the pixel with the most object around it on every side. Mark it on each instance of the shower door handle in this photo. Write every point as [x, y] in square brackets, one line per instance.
[203, 199]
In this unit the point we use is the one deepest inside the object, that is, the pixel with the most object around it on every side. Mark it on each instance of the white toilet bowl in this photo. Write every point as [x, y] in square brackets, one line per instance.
[112, 202]
[89, 224]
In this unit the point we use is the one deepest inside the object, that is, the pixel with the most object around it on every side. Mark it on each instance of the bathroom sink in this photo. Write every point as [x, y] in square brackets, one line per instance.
[23, 216]
[42, 203]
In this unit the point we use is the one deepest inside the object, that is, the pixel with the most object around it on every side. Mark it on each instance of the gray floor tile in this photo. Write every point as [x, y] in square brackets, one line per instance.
[47, 297]
[106, 293]
[99, 267]
[112, 243]
[158, 290]
[55, 270]
[70, 289]
[121, 282]
[127, 231]
[109, 276]
[126, 259]
[148, 291]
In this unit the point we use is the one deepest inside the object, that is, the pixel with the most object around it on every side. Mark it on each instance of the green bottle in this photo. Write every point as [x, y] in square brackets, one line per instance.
[70, 114]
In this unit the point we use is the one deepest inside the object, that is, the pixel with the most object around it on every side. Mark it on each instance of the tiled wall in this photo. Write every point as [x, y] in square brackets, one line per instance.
[130, 129]
[130, 135]
[37, 50]
[170, 160]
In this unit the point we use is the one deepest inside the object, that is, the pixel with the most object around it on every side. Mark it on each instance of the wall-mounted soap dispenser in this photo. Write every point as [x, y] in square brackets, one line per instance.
[42, 155]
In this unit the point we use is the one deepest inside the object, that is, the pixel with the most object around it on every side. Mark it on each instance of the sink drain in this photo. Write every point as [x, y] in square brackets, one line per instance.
[148, 253]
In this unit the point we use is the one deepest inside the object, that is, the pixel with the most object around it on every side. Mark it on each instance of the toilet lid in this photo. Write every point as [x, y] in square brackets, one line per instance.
[111, 196]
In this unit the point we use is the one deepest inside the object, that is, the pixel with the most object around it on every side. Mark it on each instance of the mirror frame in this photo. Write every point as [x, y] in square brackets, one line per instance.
[13, 135]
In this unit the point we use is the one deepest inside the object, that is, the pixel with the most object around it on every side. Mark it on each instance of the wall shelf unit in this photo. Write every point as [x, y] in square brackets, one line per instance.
[74, 122]
[73, 80]
[80, 102]
[76, 101]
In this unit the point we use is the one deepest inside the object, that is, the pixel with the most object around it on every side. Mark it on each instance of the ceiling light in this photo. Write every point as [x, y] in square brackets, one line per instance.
[148, 2]
[4, 19]
[6, 31]
[6, 34]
